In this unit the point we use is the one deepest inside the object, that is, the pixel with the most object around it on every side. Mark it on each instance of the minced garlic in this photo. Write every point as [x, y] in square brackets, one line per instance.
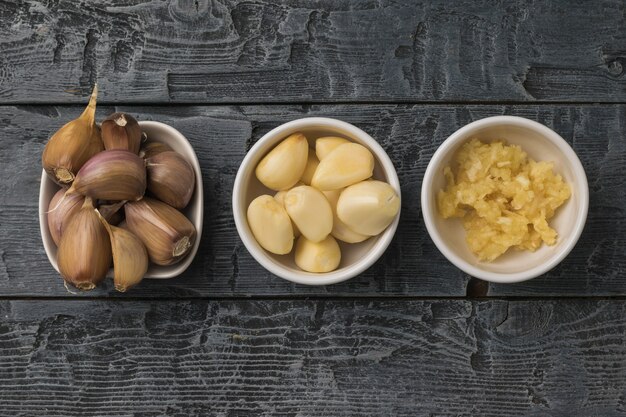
[504, 198]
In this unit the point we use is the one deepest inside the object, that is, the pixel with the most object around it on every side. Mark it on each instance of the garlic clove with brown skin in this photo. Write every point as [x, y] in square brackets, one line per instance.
[60, 211]
[167, 234]
[84, 254]
[130, 257]
[170, 178]
[73, 145]
[149, 149]
[121, 131]
[112, 175]
[112, 212]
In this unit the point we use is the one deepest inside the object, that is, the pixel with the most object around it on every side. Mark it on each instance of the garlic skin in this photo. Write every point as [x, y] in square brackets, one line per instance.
[270, 225]
[121, 131]
[84, 254]
[73, 145]
[310, 211]
[170, 178]
[311, 165]
[112, 175]
[149, 149]
[280, 199]
[368, 207]
[345, 165]
[319, 257]
[327, 144]
[166, 233]
[130, 257]
[112, 212]
[60, 211]
[340, 230]
[284, 165]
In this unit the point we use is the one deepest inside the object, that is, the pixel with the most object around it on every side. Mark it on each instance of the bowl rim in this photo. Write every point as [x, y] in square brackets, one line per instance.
[580, 181]
[303, 277]
[166, 272]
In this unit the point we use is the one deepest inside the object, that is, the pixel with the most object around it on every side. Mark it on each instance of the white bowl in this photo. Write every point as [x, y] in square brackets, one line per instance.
[541, 144]
[158, 132]
[355, 258]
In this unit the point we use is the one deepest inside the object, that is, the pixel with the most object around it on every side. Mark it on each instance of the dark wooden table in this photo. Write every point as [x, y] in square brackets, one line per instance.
[413, 336]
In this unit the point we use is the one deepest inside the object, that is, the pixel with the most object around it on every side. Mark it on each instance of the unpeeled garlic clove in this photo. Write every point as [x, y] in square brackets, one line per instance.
[270, 225]
[323, 256]
[72, 145]
[280, 199]
[167, 234]
[327, 144]
[310, 211]
[130, 257]
[170, 178]
[368, 207]
[284, 165]
[84, 254]
[121, 131]
[112, 175]
[149, 149]
[61, 209]
[311, 165]
[345, 165]
[340, 230]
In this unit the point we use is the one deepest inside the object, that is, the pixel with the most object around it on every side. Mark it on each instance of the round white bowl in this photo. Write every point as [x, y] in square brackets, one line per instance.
[158, 132]
[541, 144]
[355, 258]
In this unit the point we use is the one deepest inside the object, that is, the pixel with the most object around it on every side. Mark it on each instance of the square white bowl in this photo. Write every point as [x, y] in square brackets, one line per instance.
[157, 132]
[355, 258]
[541, 144]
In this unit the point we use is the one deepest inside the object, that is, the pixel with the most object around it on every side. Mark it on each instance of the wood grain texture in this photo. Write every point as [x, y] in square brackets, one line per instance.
[263, 51]
[305, 358]
[410, 134]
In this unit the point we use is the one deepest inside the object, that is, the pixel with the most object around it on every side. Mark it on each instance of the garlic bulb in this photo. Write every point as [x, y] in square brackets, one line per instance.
[60, 211]
[323, 256]
[284, 165]
[347, 164]
[270, 225]
[150, 149]
[167, 233]
[72, 145]
[327, 144]
[130, 257]
[310, 211]
[112, 175]
[170, 178]
[368, 207]
[84, 254]
[121, 131]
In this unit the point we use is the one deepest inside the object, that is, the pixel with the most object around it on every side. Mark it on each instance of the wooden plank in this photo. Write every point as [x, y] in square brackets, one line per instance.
[410, 134]
[332, 50]
[314, 358]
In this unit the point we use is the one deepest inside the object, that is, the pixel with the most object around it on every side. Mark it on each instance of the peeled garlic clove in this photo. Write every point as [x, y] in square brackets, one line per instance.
[84, 254]
[310, 211]
[280, 199]
[149, 149]
[368, 207]
[72, 145]
[270, 225]
[327, 144]
[340, 230]
[170, 178]
[112, 175]
[346, 165]
[167, 234]
[121, 131]
[284, 165]
[130, 257]
[323, 256]
[311, 165]
[61, 209]
[112, 213]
